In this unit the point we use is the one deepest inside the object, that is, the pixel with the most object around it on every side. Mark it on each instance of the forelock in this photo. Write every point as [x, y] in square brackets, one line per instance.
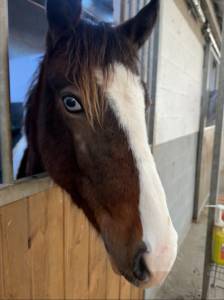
[94, 46]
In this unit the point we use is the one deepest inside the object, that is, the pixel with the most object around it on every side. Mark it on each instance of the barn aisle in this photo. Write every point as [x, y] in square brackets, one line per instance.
[185, 280]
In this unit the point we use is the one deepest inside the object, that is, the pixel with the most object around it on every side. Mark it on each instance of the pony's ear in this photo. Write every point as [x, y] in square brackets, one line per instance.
[63, 15]
[139, 28]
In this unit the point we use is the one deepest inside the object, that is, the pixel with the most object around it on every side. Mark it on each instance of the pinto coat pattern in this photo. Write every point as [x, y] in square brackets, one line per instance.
[85, 125]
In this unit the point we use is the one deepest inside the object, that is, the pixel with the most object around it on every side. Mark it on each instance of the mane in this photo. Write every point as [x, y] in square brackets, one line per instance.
[91, 47]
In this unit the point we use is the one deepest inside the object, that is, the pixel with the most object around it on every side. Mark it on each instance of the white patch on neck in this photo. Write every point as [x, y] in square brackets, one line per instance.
[126, 98]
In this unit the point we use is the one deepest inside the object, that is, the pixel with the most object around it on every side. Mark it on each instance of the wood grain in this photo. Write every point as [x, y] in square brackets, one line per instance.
[135, 293]
[113, 283]
[76, 251]
[2, 292]
[46, 244]
[97, 267]
[141, 294]
[48, 250]
[15, 251]
[125, 289]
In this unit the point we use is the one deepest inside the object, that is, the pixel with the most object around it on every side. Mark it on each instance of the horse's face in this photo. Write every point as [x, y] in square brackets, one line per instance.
[94, 138]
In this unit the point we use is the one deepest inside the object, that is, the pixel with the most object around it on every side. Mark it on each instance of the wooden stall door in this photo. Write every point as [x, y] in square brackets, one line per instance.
[48, 250]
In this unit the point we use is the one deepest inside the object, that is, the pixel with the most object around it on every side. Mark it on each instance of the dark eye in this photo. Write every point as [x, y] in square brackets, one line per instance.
[72, 104]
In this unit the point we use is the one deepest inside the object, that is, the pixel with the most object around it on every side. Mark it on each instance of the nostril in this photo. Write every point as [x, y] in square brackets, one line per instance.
[140, 270]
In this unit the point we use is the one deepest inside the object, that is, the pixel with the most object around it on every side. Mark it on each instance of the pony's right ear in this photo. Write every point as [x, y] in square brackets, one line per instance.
[63, 15]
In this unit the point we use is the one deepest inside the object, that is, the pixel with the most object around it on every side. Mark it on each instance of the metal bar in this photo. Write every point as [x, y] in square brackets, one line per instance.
[117, 5]
[141, 51]
[5, 132]
[202, 17]
[215, 171]
[126, 10]
[122, 11]
[130, 9]
[133, 8]
[209, 10]
[203, 112]
[154, 67]
[145, 55]
[37, 4]
[24, 188]
[150, 59]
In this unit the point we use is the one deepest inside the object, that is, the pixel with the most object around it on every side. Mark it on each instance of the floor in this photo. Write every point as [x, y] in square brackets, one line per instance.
[185, 281]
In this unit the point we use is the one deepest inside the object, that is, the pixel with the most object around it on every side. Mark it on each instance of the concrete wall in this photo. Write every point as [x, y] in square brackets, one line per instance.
[179, 74]
[176, 161]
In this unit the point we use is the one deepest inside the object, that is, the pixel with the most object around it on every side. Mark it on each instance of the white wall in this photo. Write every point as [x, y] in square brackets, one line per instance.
[179, 76]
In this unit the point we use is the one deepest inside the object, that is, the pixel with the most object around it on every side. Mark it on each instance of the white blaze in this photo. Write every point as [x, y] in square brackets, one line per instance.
[126, 98]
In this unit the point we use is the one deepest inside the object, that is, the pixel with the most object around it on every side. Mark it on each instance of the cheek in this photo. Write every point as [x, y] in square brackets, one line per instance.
[82, 141]
[121, 229]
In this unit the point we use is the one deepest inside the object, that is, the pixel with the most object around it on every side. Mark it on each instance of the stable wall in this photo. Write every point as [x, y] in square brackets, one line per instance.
[180, 67]
[179, 87]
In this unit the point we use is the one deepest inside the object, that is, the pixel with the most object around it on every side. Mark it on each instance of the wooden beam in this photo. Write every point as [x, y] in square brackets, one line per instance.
[23, 188]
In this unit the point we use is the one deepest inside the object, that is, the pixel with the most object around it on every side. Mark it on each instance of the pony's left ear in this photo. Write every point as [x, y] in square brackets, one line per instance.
[63, 15]
[139, 28]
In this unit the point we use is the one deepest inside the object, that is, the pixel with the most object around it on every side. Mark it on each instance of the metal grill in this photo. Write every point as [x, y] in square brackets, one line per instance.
[148, 55]
[216, 281]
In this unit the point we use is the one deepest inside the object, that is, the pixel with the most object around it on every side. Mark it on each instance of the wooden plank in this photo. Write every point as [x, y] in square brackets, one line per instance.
[24, 188]
[76, 251]
[135, 293]
[125, 289]
[46, 244]
[141, 294]
[113, 283]
[15, 251]
[97, 267]
[2, 292]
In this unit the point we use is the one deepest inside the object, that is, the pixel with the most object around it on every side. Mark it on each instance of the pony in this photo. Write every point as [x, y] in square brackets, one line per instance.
[85, 126]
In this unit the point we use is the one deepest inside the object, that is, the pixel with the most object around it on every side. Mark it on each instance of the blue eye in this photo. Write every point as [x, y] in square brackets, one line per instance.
[72, 104]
